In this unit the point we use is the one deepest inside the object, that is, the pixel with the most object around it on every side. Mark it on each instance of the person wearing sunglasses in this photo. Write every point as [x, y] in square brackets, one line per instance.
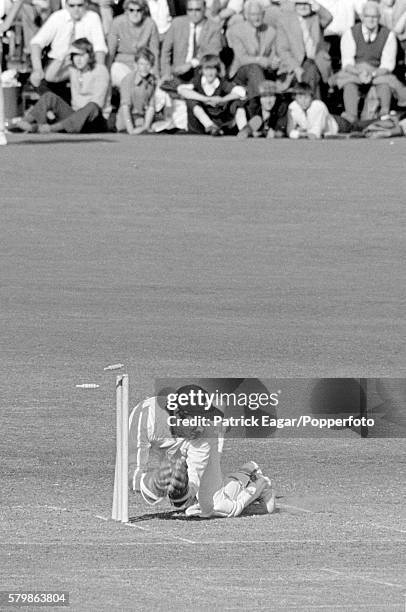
[58, 32]
[130, 32]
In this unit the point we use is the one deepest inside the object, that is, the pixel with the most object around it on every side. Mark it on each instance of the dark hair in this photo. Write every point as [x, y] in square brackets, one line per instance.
[145, 54]
[210, 60]
[203, 2]
[143, 4]
[302, 88]
[86, 47]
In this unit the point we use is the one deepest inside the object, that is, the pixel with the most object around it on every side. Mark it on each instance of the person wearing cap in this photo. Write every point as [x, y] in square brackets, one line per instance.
[301, 46]
[272, 121]
[253, 44]
[215, 105]
[89, 83]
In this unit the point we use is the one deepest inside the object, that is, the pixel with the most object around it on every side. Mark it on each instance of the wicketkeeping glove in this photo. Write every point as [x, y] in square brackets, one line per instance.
[178, 489]
[159, 480]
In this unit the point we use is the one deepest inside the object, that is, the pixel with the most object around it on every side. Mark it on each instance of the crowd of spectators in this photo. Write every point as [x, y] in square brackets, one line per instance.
[251, 68]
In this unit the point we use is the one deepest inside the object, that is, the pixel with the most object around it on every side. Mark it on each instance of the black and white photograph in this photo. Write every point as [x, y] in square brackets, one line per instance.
[203, 296]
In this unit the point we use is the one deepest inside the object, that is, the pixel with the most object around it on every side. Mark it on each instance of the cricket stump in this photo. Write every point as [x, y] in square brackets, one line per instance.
[120, 493]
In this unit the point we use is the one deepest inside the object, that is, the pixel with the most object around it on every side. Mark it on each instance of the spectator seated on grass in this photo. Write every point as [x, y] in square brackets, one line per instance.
[62, 27]
[89, 83]
[130, 32]
[214, 104]
[272, 120]
[310, 118]
[137, 90]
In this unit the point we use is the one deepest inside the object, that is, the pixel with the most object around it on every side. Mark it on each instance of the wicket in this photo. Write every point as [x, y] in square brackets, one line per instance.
[120, 494]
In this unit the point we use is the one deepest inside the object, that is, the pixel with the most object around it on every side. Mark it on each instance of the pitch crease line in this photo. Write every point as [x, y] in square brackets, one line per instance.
[364, 578]
[103, 518]
[296, 508]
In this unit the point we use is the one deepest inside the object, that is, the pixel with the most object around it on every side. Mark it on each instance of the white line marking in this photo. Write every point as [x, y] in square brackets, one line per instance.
[103, 518]
[38, 507]
[364, 578]
[295, 508]
[148, 530]
[349, 607]
[169, 535]
[298, 541]
[388, 528]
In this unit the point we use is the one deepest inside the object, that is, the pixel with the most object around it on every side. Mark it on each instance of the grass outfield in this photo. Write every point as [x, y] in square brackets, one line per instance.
[210, 257]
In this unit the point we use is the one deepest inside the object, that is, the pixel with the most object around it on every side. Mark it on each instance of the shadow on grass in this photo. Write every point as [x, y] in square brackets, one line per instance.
[67, 140]
[176, 515]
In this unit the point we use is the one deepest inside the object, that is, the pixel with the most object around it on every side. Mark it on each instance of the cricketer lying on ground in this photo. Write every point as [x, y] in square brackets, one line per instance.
[158, 459]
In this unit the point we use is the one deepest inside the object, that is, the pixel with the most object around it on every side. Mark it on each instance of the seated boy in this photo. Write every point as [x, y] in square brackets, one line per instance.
[310, 118]
[137, 90]
[214, 105]
[272, 121]
[307, 117]
[89, 83]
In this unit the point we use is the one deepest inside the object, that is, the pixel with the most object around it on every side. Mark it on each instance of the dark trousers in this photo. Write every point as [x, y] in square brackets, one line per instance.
[86, 119]
[251, 76]
[346, 127]
[222, 116]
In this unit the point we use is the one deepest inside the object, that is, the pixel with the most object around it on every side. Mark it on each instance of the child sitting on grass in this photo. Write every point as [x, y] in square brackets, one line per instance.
[137, 91]
[214, 105]
[271, 123]
[307, 117]
[310, 118]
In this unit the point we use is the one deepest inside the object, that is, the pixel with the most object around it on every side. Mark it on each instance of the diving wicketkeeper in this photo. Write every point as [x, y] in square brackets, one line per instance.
[183, 465]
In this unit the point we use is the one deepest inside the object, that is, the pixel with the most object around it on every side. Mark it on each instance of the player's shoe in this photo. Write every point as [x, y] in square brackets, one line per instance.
[193, 510]
[3, 139]
[268, 497]
[196, 511]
